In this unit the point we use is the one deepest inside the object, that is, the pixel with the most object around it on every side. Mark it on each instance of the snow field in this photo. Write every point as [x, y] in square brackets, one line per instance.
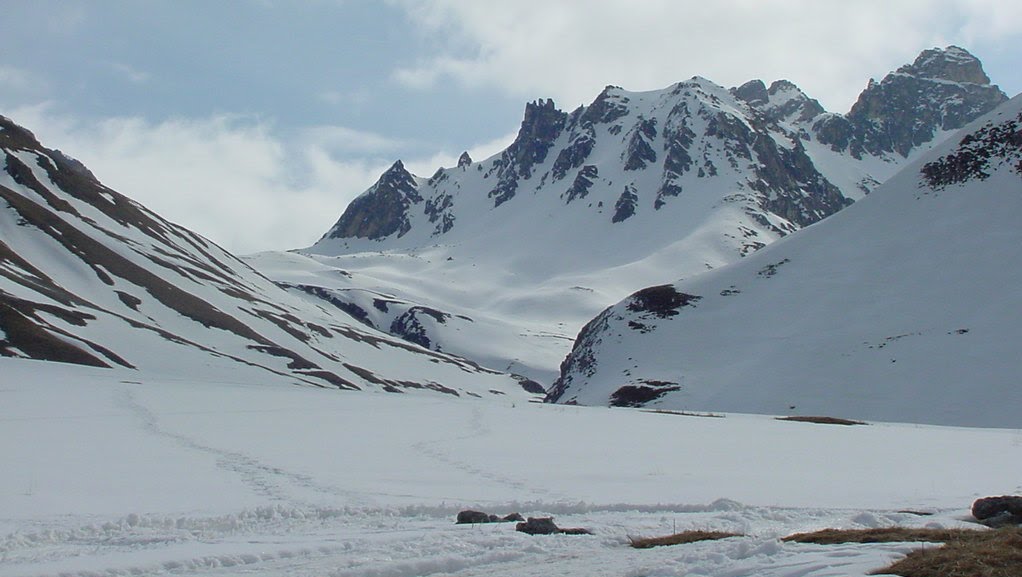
[111, 473]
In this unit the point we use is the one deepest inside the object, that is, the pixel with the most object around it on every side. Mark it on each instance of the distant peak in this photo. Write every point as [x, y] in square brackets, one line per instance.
[464, 160]
[753, 92]
[953, 63]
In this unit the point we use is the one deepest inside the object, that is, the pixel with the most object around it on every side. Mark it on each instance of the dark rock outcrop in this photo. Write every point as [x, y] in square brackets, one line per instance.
[624, 208]
[978, 154]
[542, 125]
[583, 182]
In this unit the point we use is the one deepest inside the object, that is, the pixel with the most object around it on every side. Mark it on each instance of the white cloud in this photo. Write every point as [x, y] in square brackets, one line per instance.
[570, 49]
[228, 178]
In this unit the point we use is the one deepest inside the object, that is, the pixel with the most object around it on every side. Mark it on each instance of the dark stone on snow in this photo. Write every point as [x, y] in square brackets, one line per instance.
[469, 516]
[998, 511]
[546, 526]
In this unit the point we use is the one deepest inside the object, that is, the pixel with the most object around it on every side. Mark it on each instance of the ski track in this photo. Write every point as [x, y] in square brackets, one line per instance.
[272, 482]
[477, 428]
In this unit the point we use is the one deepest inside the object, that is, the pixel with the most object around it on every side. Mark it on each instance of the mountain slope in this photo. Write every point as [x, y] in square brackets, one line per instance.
[88, 276]
[904, 307]
[512, 254]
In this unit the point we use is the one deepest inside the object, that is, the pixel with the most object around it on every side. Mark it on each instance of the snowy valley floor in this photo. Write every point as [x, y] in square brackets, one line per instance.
[115, 473]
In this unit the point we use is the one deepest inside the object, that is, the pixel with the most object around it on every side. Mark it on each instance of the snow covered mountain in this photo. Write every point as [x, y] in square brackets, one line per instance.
[503, 260]
[904, 307]
[88, 276]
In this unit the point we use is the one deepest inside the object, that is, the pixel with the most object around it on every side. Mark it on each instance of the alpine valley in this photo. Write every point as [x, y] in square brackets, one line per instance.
[503, 260]
[167, 408]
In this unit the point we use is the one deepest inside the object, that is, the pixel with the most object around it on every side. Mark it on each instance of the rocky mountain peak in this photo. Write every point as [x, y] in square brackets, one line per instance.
[953, 64]
[942, 90]
[464, 160]
[753, 92]
[383, 209]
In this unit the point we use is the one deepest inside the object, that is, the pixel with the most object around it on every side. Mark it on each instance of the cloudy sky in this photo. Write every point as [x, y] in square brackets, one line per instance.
[255, 122]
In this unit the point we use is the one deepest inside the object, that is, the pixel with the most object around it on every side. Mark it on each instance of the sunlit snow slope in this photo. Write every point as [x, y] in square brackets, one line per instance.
[904, 307]
[88, 276]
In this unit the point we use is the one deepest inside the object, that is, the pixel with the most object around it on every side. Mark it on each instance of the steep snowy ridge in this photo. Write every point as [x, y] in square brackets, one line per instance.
[903, 307]
[88, 276]
[635, 189]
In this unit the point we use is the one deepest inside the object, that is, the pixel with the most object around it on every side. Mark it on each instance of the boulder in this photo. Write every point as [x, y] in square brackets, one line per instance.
[998, 511]
[470, 516]
[538, 526]
[546, 526]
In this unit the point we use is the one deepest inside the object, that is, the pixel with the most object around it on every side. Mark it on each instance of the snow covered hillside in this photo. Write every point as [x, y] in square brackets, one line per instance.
[113, 472]
[503, 260]
[904, 307]
[88, 276]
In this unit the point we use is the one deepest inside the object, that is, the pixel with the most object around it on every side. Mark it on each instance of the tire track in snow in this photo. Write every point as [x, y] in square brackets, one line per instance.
[272, 482]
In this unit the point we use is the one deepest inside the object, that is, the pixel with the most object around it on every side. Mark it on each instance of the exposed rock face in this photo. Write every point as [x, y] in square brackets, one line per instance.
[542, 125]
[464, 160]
[941, 91]
[978, 154]
[624, 208]
[382, 210]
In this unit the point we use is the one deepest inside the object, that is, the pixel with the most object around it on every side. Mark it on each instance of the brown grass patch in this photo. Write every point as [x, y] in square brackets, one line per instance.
[965, 553]
[679, 538]
[881, 535]
[822, 420]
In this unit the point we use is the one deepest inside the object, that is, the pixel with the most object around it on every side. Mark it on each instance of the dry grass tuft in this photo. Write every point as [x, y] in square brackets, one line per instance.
[965, 553]
[881, 535]
[679, 538]
[995, 553]
[823, 420]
